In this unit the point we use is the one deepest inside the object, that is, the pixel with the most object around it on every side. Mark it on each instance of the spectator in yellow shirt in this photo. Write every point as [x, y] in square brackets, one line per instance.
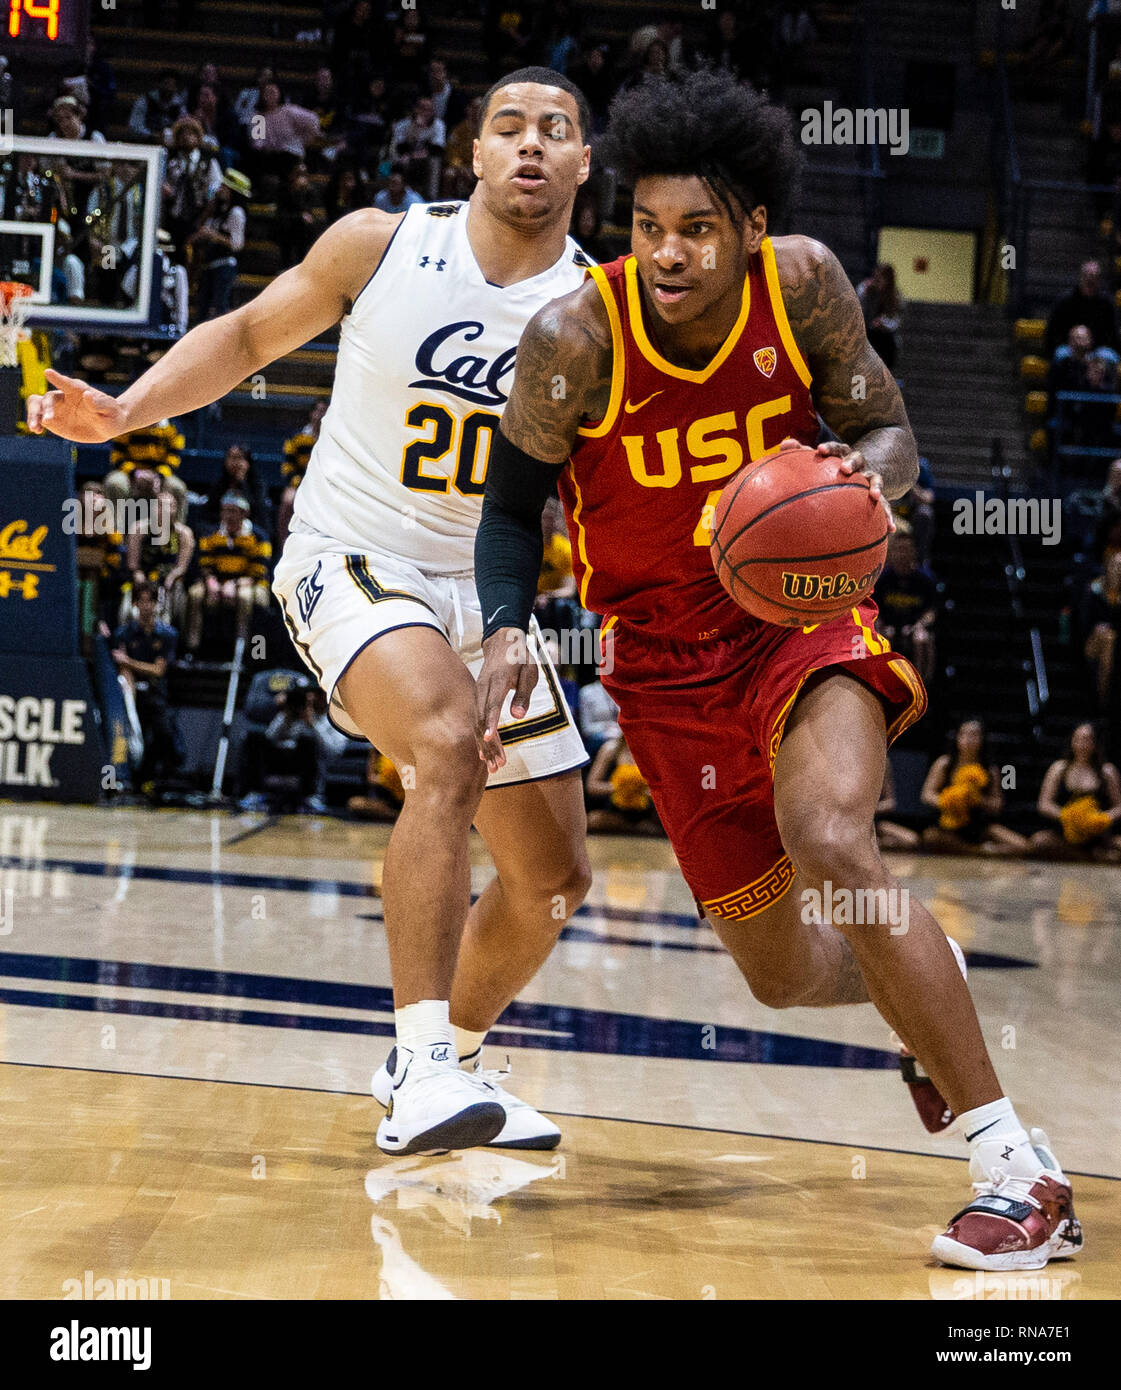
[234, 566]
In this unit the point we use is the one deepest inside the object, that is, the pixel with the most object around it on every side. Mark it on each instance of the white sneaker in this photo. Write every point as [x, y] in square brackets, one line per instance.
[524, 1127]
[433, 1106]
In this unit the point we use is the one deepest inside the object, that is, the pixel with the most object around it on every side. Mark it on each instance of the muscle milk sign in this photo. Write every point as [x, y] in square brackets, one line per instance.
[51, 744]
[30, 731]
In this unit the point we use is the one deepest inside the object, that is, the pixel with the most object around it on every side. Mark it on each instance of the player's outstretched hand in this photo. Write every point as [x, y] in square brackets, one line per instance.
[853, 461]
[75, 411]
[507, 665]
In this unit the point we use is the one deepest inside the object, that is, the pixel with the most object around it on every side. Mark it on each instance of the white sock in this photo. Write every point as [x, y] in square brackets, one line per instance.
[468, 1043]
[996, 1138]
[421, 1027]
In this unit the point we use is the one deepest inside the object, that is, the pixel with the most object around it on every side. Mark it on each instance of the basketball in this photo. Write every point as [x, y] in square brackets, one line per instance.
[796, 541]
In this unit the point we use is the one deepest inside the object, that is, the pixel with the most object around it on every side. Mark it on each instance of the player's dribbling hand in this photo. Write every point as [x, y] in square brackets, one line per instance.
[507, 665]
[75, 411]
[853, 461]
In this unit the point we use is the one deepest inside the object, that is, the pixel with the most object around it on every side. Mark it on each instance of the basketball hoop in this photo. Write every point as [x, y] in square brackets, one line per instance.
[15, 305]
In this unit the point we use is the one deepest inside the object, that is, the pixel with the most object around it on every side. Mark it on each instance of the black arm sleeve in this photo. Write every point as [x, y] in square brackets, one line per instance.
[508, 544]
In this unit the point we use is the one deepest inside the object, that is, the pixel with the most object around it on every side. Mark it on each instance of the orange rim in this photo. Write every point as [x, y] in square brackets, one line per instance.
[13, 289]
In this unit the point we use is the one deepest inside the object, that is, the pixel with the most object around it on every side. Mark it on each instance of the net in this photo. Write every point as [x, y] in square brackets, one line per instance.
[15, 305]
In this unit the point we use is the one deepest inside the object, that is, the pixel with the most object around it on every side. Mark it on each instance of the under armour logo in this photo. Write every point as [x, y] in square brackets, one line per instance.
[439, 264]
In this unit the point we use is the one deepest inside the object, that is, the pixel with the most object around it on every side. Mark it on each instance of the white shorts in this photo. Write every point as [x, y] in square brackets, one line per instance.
[336, 602]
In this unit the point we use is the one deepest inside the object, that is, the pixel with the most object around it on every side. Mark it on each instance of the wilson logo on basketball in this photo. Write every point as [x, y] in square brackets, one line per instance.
[810, 588]
[766, 359]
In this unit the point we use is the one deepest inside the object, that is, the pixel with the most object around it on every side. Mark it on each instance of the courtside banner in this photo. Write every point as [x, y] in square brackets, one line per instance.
[51, 747]
[38, 566]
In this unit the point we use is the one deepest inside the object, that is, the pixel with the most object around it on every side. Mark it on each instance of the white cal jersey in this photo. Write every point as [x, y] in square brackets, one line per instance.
[425, 364]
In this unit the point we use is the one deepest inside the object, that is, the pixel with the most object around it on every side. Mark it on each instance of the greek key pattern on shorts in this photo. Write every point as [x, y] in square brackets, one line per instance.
[750, 900]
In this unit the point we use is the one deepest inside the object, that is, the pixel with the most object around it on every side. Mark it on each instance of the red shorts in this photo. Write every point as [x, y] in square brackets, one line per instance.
[704, 722]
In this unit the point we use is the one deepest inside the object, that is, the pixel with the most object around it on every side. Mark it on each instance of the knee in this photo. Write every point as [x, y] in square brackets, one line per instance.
[559, 884]
[773, 991]
[771, 978]
[448, 770]
[833, 844]
[570, 882]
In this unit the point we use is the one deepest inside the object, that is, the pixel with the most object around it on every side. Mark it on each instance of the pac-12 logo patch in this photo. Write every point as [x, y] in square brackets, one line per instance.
[766, 359]
[308, 591]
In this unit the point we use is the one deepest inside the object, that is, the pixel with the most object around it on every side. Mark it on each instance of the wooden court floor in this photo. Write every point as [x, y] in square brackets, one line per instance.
[191, 1005]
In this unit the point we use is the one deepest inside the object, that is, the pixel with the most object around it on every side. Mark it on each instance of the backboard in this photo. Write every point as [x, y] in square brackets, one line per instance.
[78, 222]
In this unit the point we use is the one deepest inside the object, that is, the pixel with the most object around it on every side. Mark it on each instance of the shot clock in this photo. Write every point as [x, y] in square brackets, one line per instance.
[44, 31]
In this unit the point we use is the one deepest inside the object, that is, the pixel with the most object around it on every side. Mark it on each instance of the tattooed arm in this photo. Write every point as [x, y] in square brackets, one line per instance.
[563, 375]
[562, 378]
[854, 392]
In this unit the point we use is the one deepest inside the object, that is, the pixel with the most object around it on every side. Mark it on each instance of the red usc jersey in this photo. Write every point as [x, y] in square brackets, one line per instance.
[641, 486]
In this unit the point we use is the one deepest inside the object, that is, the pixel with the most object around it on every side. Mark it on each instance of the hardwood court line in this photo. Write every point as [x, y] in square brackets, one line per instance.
[266, 824]
[562, 1114]
[346, 888]
[589, 1031]
[132, 992]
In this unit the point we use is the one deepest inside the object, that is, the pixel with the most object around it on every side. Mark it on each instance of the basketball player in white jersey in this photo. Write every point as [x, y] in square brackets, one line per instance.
[376, 579]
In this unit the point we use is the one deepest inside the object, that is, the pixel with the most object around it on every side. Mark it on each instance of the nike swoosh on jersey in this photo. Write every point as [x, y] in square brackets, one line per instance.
[630, 409]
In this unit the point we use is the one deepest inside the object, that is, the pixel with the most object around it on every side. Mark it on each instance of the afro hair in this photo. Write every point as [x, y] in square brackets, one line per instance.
[708, 125]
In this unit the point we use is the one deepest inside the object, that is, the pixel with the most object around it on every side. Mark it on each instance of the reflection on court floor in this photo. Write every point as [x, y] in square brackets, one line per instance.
[191, 1005]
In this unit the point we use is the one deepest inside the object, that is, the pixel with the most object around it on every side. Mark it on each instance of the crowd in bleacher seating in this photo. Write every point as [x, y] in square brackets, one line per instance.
[383, 120]
[907, 595]
[1082, 369]
[1082, 345]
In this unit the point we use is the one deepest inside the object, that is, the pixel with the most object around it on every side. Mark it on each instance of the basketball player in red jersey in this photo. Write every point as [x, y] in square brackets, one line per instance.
[764, 746]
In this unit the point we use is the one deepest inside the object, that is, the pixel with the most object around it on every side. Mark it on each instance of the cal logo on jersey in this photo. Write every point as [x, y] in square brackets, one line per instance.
[424, 369]
[446, 367]
[308, 592]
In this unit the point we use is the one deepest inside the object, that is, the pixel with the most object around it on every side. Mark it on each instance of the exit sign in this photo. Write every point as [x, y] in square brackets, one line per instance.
[927, 143]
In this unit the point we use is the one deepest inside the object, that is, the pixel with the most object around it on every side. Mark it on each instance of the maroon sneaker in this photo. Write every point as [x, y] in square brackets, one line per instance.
[1017, 1220]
